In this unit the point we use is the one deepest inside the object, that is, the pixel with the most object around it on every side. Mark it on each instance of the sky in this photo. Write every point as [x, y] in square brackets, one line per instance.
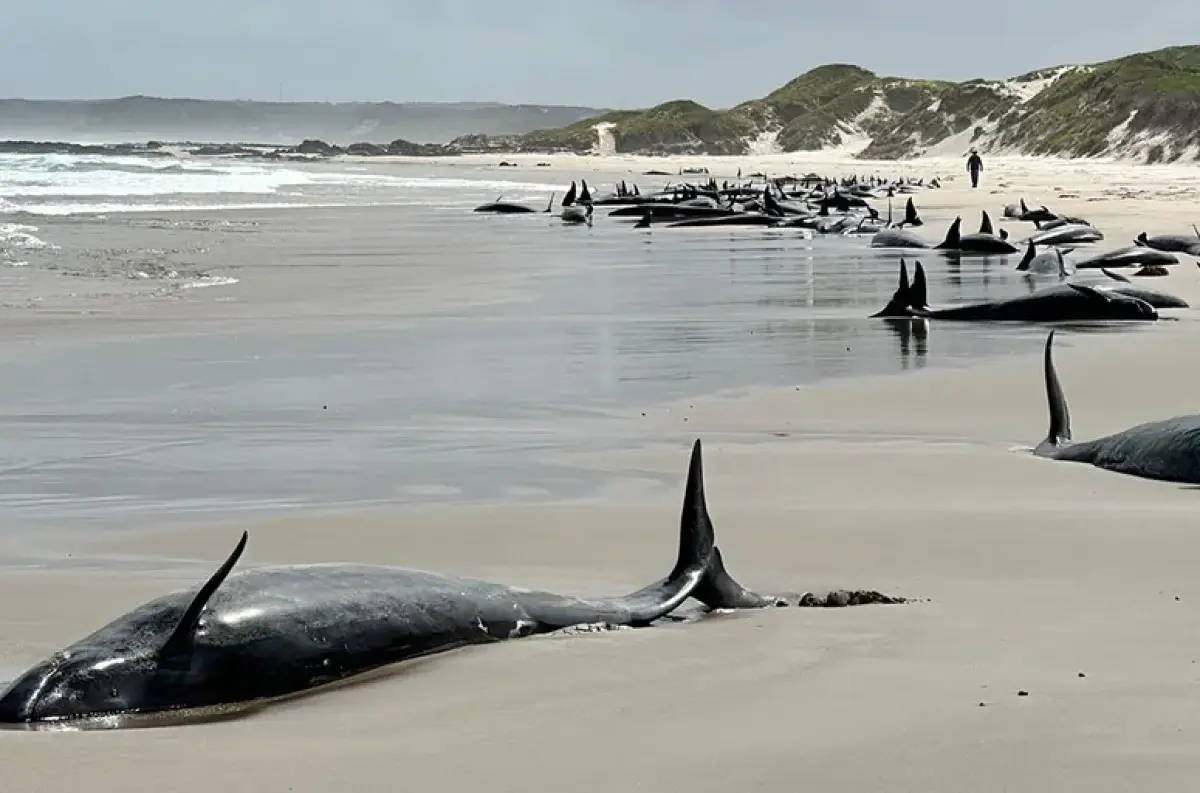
[597, 53]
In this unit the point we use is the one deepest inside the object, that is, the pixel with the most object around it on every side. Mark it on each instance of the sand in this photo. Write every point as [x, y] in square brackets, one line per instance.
[1071, 584]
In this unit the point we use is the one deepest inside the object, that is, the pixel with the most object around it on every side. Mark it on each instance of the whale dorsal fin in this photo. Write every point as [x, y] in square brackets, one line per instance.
[181, 637]
[911, 217]
[985, 224]
[953, 234]
[1030, 252]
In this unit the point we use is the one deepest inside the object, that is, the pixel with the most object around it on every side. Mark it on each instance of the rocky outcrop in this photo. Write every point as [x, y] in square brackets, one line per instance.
[60, 147]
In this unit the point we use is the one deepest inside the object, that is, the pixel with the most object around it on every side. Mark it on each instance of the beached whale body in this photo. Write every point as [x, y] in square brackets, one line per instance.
[1055, 304]
[274, 631]
[981, 242]
[1167, 450]
[1171, 243]
[898, 238]
[1065, 234]
[499, 207]
[1130, 256]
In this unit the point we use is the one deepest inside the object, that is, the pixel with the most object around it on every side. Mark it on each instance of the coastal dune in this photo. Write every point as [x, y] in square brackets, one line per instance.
[1051, 641]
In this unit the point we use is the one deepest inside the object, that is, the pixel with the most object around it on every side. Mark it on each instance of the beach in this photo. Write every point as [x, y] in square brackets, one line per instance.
[364, 388]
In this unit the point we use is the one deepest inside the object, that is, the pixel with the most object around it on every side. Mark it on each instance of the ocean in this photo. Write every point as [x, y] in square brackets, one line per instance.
[200, 339]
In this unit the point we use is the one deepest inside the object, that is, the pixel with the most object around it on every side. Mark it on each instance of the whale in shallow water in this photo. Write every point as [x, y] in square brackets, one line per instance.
[251, 637]
[1167, 450]
[499, 207]
[1066, 302]
[981, 243]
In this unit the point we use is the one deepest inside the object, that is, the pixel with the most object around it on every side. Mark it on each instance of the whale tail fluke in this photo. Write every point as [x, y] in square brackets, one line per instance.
[1060, 417]
[696, 534]
[717, 589]
[909, 298]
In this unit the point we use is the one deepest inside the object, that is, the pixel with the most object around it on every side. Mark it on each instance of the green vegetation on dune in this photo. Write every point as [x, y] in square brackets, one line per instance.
[1147, 101]
[810, 109]
[930, 112]
[1090, 109]
[683, 126]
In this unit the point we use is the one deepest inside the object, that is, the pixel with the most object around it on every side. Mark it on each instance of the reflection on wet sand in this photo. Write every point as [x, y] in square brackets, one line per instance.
[913, 336]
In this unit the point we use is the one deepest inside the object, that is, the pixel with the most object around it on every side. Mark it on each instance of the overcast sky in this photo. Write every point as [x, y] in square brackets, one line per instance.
[601, 53]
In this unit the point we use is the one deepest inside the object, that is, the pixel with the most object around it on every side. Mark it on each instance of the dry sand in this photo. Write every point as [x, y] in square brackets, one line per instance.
[1072, 584]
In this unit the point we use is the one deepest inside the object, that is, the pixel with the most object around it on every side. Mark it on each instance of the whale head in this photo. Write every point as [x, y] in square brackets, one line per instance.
[147, 661]
[86, 682]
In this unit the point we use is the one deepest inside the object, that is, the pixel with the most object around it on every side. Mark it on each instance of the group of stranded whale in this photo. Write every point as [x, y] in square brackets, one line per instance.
[1057, 247]
[242, 640]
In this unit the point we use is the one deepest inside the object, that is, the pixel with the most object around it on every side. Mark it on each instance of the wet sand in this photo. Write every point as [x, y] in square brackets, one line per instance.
[1069, 583]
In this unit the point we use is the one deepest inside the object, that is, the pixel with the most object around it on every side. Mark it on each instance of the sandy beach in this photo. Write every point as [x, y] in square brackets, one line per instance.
[1051, 643]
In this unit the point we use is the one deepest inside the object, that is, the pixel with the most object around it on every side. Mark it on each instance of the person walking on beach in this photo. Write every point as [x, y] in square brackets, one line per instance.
[974, 166]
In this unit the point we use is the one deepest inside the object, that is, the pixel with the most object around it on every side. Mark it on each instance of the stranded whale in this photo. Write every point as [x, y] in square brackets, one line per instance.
[269, 632]
[1054, 304]
[1167, 450]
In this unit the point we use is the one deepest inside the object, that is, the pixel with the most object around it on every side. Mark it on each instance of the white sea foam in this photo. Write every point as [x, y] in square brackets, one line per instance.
[19, 235]
[94, 175]
[209, 280]
[60, 184]
[106, 208]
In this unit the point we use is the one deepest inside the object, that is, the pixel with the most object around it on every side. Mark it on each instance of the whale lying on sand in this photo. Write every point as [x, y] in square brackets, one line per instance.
[1055, 304]
[1130, 256]
[1172, 243]
[271, 632]
[980, 242]
[1167, 450]
[499, 207]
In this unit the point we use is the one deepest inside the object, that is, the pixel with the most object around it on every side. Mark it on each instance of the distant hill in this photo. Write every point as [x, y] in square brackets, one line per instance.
[1144, 106]
[140, 118]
